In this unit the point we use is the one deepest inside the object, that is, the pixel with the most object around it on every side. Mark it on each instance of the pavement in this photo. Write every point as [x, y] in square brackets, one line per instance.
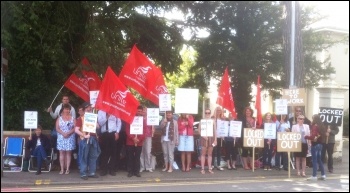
[26, 179]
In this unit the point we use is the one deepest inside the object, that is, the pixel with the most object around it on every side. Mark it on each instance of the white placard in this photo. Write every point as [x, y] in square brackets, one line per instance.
[235, 129]
[186, 101]
[136, 127]
[221, 128]
[30, 119]
[164, 102]
[93, 97]
[207, 127]
[281, 106]
[152, 116]
[90, 122]
[270, 130]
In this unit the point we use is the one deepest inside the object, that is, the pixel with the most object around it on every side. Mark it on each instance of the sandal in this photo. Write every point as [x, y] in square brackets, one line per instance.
[61, 172]
[67, 172]
[210, 171]
[303, 174]
[202, 171]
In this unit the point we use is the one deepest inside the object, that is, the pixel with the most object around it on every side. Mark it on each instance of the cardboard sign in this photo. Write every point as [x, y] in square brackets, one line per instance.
[270, 130]
[222, 128]
[164, 102]
[295, 97]
[253, 137]
[207, 127]
[136, 127]
[186, 101]
[235, 129]
[288, 142]
[90, 122]
[30, 119]
[152, 116]
[331, 116]
[281, 106]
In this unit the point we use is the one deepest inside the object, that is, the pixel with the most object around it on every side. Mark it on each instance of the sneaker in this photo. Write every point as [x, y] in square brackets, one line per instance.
[150, 170]
[220, 168]
[93, 176]
[312, 178]
[322, 177]
[84, 177]
[38, 173]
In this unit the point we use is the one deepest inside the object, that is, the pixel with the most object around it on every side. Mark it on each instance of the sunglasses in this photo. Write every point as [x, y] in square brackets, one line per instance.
[300, 119]
[207, 113]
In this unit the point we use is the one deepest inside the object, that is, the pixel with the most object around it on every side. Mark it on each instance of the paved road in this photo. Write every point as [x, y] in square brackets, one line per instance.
[30, 180]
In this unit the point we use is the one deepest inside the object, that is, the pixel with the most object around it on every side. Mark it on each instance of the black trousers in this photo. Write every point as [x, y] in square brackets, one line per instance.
[329, 148]
[133, 153]
[109, 147]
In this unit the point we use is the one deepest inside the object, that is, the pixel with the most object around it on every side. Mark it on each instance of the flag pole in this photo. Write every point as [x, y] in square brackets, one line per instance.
[56, 95]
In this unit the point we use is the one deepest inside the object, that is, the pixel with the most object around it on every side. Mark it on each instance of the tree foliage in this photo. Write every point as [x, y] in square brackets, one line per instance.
[47, 39]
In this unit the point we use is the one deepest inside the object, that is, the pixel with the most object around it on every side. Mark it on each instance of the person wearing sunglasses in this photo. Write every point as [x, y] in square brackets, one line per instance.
[293, 120]
[304, 130]
[207, 144]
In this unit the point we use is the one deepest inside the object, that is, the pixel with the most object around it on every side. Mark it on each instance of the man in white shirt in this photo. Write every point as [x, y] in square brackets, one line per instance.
[110, 128]
[65, 100]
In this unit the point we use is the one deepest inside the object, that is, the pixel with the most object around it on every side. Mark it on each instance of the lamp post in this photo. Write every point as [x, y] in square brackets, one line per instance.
[4, 67]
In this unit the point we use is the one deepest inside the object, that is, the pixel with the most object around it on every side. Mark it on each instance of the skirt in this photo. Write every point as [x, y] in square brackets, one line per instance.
[186, 143]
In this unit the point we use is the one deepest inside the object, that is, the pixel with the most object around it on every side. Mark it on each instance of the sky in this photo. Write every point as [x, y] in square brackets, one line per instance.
[338, 12]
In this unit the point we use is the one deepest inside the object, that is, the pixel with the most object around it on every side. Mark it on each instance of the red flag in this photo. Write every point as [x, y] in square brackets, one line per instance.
[156, 86]
[93, 79]
[258, 104]
[225, 98]
[135, 72]
[79, 86]
[114, 98]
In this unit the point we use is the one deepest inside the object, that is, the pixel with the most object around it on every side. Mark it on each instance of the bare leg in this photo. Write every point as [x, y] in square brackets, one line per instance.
[245, 164]
[183, 161]
[303, 165]
[204, 150]
[188, 156]
[297, 163]
[68, 160]
[210, 151]
[62, 160]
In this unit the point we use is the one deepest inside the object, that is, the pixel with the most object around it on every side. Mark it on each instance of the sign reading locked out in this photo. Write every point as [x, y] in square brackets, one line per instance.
[288, 142]
[253, 137]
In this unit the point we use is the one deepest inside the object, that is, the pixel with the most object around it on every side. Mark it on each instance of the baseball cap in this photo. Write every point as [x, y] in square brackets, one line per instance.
[86, 104]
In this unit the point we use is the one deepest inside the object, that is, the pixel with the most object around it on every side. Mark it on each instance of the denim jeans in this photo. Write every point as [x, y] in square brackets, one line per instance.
[267, 155]
[89, 150]
[316, 159]
[40, 154]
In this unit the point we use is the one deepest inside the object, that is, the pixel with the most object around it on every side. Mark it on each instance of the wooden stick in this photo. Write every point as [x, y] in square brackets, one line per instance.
[253, 167]
[329, 127]
[56, 95]
[135, 138]
[288, 164]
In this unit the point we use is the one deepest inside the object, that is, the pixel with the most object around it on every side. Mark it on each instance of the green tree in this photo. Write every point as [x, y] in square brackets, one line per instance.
[247, 37]
[47, 39]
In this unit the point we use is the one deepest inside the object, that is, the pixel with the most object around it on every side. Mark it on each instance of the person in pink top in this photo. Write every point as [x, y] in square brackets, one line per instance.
[186, 142]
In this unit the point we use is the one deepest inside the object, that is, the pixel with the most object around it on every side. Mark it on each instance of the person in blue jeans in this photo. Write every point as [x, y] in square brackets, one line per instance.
[39, 144]
[317, 136]
[89, 149]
